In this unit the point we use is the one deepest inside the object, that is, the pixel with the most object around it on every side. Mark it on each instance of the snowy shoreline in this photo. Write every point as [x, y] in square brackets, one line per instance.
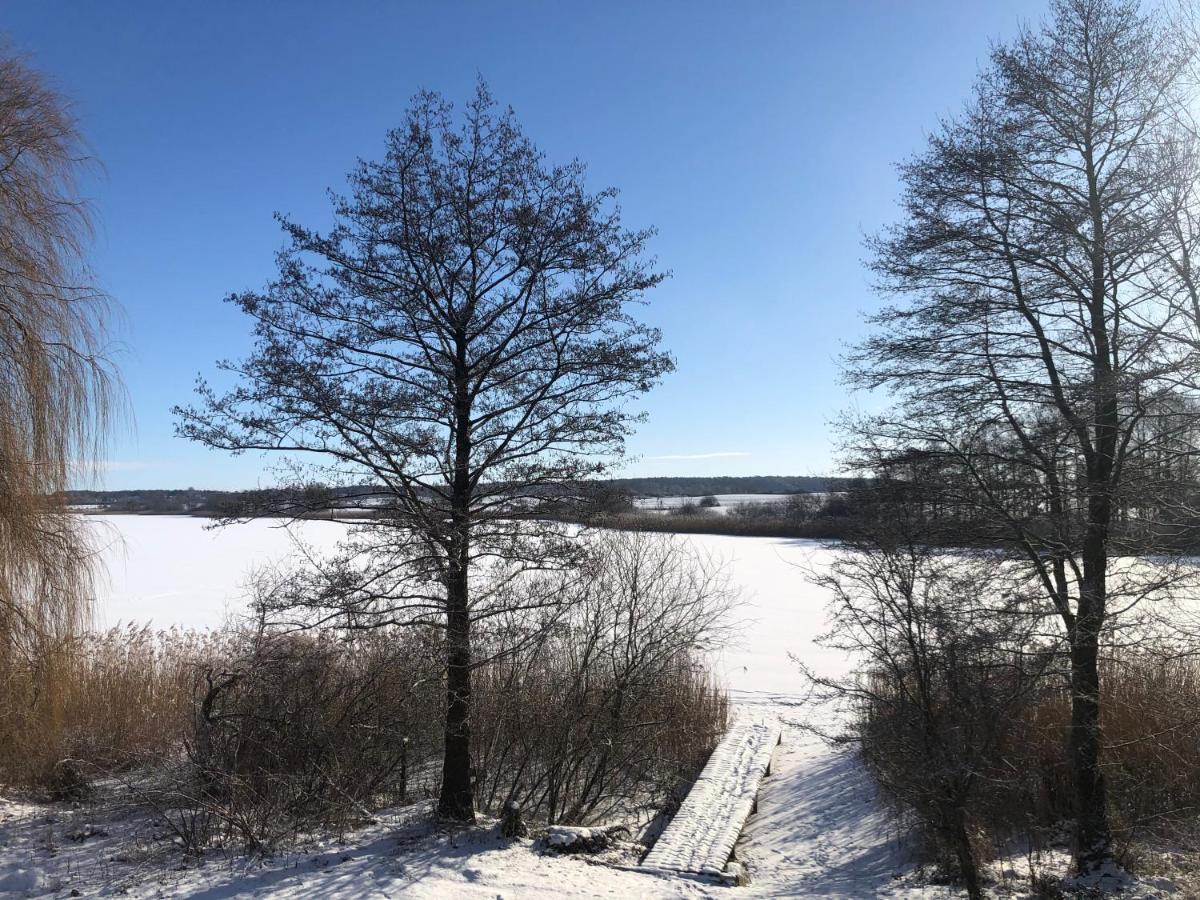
[820, 830]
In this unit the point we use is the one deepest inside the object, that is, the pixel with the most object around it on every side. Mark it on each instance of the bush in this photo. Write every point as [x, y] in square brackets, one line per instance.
[609, 709]
[301, 731]
[962, 711]
[948, 660]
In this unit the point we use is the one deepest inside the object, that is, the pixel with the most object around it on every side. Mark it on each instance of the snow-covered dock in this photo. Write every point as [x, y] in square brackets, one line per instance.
[699, 839]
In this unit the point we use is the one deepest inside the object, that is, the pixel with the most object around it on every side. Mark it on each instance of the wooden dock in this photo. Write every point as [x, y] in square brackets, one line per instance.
[699, 840]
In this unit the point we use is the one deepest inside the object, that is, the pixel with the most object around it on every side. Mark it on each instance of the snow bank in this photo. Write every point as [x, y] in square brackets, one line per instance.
[568, 838]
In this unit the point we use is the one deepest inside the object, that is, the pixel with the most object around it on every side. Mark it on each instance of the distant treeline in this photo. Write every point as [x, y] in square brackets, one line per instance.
[214, 503]
[217, 504]
[747, 484]
[188, 501]
[822, 515]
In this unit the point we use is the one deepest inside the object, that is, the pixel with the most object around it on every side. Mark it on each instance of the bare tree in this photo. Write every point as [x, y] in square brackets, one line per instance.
[1044, 319]
[57, 389]
[948, 655]
[459, 344]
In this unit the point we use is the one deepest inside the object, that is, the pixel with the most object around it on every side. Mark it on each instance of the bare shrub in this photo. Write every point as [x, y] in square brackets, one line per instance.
[307, 730]
[608, 709]
[948, 659]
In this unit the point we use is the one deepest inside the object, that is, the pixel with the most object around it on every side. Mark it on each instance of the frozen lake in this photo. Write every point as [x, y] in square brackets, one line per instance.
[174, 571]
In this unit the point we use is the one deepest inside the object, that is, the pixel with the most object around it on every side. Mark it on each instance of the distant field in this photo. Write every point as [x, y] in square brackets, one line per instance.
[726, 501]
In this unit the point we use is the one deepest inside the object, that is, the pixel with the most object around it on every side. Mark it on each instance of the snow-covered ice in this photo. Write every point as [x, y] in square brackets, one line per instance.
[180, 571]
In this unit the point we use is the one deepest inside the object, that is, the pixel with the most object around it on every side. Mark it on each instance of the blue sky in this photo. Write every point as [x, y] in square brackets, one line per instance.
[759, 138]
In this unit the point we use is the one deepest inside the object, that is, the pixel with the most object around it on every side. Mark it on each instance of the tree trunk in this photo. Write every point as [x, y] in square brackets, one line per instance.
[1093, 841]
[457, 800]
[967, 867]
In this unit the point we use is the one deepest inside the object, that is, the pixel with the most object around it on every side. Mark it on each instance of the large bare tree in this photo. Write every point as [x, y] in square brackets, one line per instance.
[57, 388]
[1042, 337]
[459, 344]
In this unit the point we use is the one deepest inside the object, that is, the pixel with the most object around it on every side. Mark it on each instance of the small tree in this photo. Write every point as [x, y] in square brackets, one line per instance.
[460, 343]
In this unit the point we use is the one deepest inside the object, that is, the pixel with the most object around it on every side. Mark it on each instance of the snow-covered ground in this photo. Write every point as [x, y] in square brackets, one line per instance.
[819, 831]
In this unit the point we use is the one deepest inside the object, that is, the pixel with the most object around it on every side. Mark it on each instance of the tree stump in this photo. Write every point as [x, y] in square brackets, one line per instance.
[511, 823]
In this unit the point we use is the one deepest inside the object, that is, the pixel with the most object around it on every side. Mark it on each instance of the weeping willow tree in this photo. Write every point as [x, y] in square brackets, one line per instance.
[58, 393]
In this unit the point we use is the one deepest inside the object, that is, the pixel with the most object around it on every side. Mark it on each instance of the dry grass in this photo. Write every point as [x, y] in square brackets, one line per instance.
[1152, 748]
[1151, 761]
[110, 701]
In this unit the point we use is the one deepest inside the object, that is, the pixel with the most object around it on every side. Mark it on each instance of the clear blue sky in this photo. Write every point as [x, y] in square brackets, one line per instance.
[759, 138]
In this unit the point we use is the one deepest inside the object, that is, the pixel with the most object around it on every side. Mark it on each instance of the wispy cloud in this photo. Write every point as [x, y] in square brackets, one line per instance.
[720, 455]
